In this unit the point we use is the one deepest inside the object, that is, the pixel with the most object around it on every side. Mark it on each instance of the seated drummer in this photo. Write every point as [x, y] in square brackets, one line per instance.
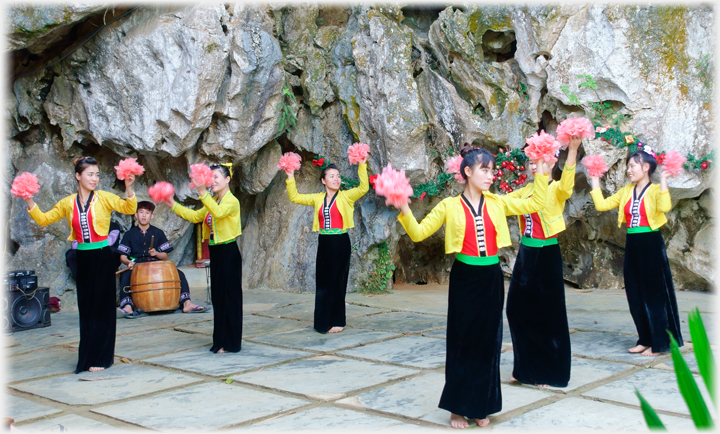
[135, 247]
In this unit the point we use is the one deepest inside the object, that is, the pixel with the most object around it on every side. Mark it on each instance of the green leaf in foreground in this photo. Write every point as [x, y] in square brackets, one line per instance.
[703, 354]
[652, 419]
[689, 389]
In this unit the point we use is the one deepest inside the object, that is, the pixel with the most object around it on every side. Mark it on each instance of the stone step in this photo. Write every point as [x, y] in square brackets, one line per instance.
[196, 277]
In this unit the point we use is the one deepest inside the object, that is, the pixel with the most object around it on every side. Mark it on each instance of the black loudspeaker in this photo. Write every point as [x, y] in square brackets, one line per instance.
[26, 310]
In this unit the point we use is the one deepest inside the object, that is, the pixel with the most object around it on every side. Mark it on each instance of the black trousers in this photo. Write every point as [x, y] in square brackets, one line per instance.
[96, 306]
[331, 276]
[226, 294]
[474, 337]
[650, 291]
[538, 319]
[126, 299]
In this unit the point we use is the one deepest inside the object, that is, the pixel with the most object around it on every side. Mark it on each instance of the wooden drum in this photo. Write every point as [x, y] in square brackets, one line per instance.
[155, 286]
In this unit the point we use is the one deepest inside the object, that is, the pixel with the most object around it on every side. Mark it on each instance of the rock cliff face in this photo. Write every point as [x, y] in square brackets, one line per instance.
[176, 85]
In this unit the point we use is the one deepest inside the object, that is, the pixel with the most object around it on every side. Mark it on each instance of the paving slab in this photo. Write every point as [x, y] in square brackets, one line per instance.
[275, 297]
[417, 351]
[158, 320]
[35, 364]
[306, 311]
[609, 346]
[324, 377]
[71, 423]
[123, 381]
[617, 322]
[690, 359]
[708, 321]
[64, 329]
[253, 325]
[327, 418]
[202, 407]
[576, 414]
[155, 342]
[401, 322]
[418, 398]
[22, 409]
[657, 386]
[309, 339]
[582, 371]
[408, 298]
[442, 333]
[202, 361]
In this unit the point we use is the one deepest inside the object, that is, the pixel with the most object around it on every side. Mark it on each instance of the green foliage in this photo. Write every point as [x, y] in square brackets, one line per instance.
[347, 183]
[433, 187]
[694, 162]
[651, 417]
[703, 354]
[589, 82]
[377, 280]
[604, 114]
[573, 98]
[522, 90]
[287, 118]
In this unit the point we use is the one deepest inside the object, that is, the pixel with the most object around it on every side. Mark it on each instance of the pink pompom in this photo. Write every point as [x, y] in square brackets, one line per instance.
[358, 152]
[542, 146]
[673, 163]
[25, 186]
[578, 127]
[453, 166]
[161, 191]
[127, 167]
[200, 174]
[595, 165]
[394, 186]
[289, 161]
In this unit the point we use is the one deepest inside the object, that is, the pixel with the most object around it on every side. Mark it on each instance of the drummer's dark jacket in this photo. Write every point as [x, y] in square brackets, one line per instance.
[136, 244]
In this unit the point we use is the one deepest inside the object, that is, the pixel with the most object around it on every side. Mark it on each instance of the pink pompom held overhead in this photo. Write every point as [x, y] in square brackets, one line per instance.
[578, 127]
[673, 163]
[595, 165]
[542, 146]
[453, 166]
[358, 152]
[25, 185]
[200, 174]
[394, 186]
[161, 191]
[127, 167]
[289, 161]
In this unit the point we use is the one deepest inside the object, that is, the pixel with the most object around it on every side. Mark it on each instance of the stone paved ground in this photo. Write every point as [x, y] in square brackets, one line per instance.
[384, 372]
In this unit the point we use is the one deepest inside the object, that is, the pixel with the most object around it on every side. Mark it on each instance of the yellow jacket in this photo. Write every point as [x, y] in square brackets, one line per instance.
[225, 217]
[102, 205]
[345, 199]
[558, 192]
[657, 203]
[450, 212]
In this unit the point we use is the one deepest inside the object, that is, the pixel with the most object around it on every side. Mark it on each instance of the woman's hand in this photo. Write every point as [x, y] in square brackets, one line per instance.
[30, 203]
[573, 147]
[128, 185]
[202, 189]
[594, 182]
[404, 208]
[169, 202]
[364, 160]
[543, 168]
[290, 174]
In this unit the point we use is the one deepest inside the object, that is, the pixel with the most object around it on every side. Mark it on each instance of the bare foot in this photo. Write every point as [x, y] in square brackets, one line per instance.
[336, 330]
[649, 353]
[221, 351]
[189, 305]
[542, 385]
[457, 421]
[127, 308]
[638, 349]
[482, 422]
[513, 378]
[94, 369]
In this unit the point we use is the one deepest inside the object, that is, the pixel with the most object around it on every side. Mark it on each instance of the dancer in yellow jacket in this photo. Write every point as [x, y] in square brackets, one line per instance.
[88, 215]
[536, 297]
[648, 282]
[475, 228]
[221, 225]
[333, 216]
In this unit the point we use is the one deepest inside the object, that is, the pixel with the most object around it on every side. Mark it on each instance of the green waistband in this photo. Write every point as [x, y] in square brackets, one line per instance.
[534, 242]
[477, 260]
[641, 230]
[92, 246]
[332, 231]
[213, 243]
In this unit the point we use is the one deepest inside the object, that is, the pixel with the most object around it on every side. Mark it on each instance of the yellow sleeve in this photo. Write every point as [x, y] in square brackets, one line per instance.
[218, 210]
[356, 193]
[664, 203]
[295, 197]
[188, 214]
[519, 193]
[602, 204]
[514, 206]
[46, 218]
[123, 206]
[567, 183]
[428, 226]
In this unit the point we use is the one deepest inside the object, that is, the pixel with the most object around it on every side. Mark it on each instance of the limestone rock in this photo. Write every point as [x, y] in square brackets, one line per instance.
[257, 173]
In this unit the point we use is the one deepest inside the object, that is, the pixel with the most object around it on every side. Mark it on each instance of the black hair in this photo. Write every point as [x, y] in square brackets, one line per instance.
[82, 163]
[473, 156]
[145, 204]
[641, 157]
[328, 167]
[224, 169]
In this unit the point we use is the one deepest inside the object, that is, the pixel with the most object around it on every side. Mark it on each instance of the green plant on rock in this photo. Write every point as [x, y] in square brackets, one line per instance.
[376, 282]
[686, 383]
[287, 118]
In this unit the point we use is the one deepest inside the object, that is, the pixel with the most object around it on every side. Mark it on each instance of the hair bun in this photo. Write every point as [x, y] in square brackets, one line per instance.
[467, 147]
[76, 160]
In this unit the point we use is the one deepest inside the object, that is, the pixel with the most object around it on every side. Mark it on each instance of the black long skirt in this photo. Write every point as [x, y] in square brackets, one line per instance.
[650, 291]
[474, 337]
[226, 293]
[538, 319]
[331, 276]
[96, 306]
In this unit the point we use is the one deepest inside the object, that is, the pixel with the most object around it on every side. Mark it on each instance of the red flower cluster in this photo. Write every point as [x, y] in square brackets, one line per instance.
[318, 162]
[422, 195]
[372, 179]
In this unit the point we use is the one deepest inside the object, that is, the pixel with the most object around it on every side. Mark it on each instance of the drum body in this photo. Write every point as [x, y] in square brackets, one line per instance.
[155, 286]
